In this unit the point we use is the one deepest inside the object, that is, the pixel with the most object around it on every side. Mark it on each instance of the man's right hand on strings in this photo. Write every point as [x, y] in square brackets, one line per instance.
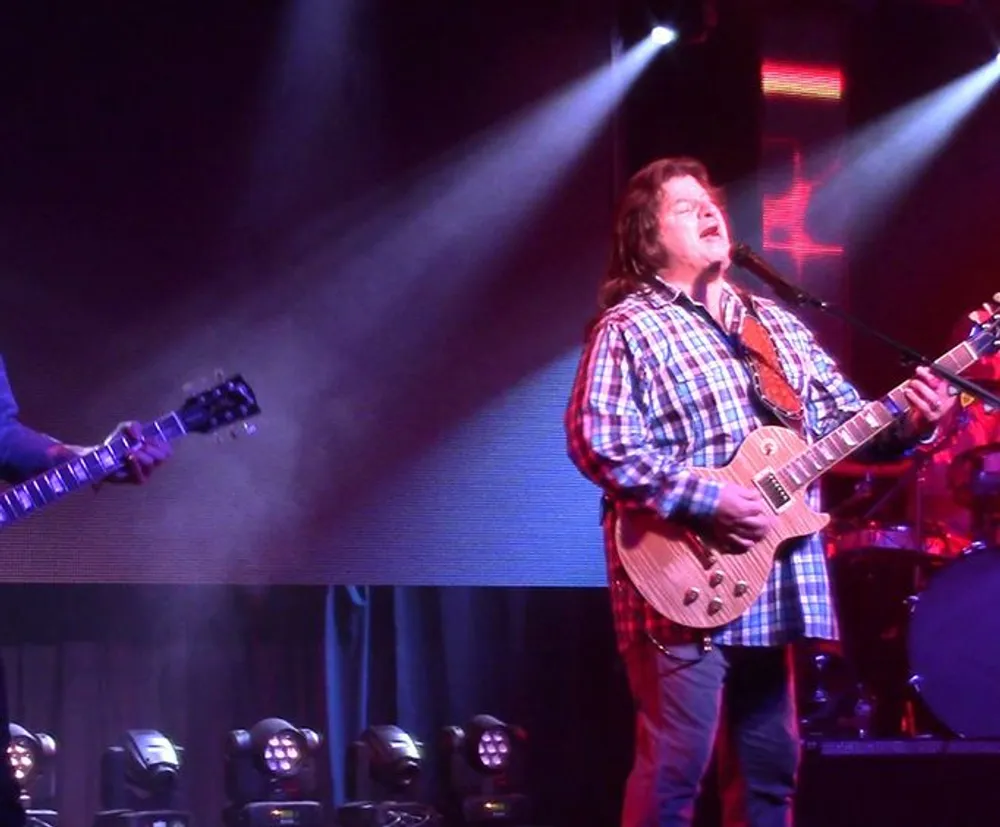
[742, 517]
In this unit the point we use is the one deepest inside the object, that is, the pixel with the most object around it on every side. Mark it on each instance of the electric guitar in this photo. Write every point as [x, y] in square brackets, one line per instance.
[227, 403]
[696, 581]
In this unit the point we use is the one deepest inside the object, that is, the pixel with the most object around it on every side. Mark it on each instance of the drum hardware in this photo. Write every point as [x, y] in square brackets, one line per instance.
[912, 474]
[974, 479]
[919, 619]
[878, 575]
[820, 694]
[878, 571]
[861, 491]
[863, 714]
[834, 703]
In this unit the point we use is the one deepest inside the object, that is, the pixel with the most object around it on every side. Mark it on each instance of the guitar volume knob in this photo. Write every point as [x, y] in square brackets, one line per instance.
[716, 578]
[714, 605]
[691, 595]
[741, 588]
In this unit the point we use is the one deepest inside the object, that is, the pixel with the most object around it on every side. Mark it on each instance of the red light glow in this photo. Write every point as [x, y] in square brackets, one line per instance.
[801, 80]
[784, 219]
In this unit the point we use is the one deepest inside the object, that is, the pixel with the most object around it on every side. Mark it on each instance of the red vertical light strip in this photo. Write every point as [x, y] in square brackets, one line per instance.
[806, 87]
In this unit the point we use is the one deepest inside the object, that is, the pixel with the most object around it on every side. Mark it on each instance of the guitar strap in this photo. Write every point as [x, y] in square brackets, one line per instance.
[770, 382]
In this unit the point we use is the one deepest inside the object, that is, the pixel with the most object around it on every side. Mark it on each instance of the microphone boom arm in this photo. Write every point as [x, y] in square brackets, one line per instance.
[744, 257]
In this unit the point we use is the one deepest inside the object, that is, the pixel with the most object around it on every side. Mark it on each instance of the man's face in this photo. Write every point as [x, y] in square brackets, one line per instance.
[692, 228]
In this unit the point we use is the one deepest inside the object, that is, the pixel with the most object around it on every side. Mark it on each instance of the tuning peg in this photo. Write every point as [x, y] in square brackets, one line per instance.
[196, 386]
[242, 429]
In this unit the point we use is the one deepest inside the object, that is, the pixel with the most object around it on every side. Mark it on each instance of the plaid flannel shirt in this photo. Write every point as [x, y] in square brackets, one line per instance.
[660, 389]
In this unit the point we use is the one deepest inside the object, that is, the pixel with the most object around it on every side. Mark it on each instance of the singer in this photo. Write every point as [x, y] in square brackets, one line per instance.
[677, 369]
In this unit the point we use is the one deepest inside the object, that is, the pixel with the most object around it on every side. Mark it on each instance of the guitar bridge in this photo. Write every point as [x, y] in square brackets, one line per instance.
[773, 491]
[705, 556]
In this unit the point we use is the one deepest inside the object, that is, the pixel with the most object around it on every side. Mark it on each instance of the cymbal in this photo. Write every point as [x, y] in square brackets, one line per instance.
[852, 468]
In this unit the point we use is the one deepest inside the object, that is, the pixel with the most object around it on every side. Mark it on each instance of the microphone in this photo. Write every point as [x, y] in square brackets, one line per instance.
[746, 258]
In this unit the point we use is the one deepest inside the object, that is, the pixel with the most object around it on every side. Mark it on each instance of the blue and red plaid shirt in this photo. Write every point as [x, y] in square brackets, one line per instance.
[661, 388]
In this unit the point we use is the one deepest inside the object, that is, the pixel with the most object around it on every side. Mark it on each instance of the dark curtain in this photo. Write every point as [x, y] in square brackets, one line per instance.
[85, 663]
[540, 658]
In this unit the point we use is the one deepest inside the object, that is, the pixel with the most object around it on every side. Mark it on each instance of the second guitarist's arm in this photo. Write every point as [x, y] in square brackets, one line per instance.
[23, 450]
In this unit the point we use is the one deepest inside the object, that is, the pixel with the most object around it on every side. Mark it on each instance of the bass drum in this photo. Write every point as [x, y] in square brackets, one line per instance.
[953, 643]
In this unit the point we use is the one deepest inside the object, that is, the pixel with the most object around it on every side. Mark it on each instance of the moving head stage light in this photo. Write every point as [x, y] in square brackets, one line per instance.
[271, 776]
[384, 767]
[483, 773]
[32, 761]
[140, 782]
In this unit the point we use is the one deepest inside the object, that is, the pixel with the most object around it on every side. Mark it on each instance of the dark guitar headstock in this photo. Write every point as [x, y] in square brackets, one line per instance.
[230, 401]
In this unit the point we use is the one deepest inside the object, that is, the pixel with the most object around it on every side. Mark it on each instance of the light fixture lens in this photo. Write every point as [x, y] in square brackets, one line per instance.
[22, 759]
[494, 748]
[283, 754]
[663, 35]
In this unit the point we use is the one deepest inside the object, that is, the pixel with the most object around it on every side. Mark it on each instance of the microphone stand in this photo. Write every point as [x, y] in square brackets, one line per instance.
[744, 257]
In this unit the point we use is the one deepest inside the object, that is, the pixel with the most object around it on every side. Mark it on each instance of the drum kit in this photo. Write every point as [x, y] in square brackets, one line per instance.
[918, 603]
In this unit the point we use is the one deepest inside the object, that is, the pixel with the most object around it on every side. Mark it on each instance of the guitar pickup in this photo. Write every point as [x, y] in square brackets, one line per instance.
[773, 491]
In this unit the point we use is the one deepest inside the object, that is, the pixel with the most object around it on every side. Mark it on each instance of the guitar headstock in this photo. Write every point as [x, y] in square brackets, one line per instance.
[231, 400]
[985, 334]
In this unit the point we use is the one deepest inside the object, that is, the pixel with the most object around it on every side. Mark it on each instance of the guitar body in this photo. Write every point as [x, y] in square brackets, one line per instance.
[694, 581]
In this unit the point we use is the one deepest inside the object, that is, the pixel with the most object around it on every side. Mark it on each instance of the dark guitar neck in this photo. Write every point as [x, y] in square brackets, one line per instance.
[43, 489]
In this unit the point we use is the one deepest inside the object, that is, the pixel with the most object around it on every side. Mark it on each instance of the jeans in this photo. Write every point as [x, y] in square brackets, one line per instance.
[684, 699]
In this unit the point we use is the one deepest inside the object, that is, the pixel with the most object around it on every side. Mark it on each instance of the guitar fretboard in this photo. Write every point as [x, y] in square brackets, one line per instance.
[871, 420]
[27, 497]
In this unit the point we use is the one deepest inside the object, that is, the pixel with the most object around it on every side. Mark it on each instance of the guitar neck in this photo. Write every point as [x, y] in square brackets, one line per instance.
[87, 469]
[870, 421]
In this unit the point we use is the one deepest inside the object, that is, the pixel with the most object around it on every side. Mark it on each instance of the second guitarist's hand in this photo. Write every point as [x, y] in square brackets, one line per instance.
[741, 516]
[145, 456]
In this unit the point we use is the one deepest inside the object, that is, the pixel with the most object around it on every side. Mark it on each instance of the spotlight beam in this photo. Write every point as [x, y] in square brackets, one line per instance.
[878, 165]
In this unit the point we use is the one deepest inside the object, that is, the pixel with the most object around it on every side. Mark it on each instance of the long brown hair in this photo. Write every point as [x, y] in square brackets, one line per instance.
[636, 253]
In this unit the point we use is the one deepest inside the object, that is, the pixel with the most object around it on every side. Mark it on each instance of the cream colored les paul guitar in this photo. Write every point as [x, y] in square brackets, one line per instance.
[697, 582]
